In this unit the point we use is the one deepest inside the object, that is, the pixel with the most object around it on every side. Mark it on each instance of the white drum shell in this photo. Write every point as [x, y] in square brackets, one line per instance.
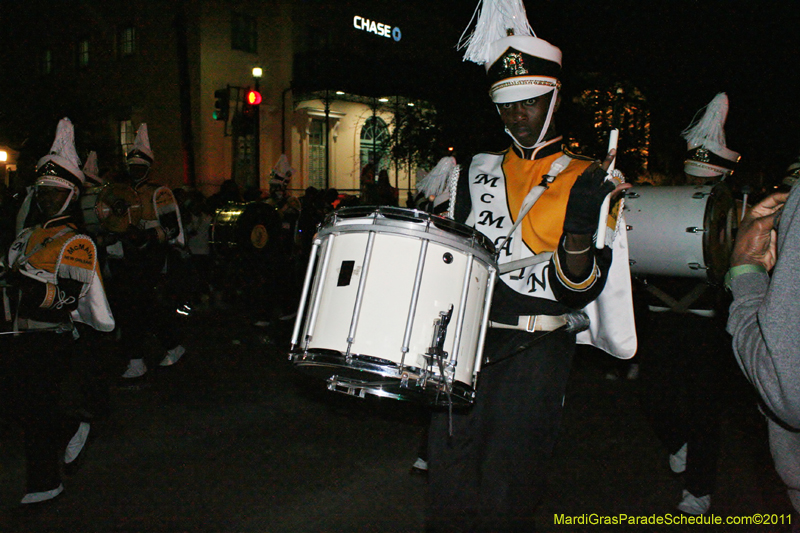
[415, 271]
[385, 306]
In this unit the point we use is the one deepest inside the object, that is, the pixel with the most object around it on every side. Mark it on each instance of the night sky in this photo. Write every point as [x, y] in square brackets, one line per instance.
[679, 53]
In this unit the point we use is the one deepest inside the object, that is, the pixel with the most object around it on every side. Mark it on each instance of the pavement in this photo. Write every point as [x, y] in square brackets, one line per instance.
[233, 438]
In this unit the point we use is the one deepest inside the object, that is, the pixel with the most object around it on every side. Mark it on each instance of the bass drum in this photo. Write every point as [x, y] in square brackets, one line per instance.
[682, 231]
[112, 207]
[250, 227]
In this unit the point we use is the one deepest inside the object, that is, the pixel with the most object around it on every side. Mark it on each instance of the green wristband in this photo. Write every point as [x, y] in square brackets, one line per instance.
[742, 269]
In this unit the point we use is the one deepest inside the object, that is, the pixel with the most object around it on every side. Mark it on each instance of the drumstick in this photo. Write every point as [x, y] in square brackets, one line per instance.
[600, 241]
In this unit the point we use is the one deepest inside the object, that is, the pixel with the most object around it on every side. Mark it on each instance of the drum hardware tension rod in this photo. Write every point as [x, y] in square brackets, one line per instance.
[312, 319]
[304, 298]
[484, 325]
[412, 307]
[694, 229]
[360, 293]
[461, 311]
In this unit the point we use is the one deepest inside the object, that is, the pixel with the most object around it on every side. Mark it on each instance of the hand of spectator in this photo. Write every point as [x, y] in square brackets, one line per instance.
[756, 240]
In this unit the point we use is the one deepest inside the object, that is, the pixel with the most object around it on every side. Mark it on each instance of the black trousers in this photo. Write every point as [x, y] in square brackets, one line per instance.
[489, 475]
[32, 369]
[138, 310]
[686, 361]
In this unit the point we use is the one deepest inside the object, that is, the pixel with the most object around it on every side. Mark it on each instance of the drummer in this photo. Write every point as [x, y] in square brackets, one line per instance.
[684, 379]
[487, 463]
[145, 264]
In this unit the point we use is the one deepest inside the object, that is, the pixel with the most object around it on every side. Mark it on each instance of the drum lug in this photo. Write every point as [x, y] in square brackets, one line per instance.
[696, 266]
[694, 229]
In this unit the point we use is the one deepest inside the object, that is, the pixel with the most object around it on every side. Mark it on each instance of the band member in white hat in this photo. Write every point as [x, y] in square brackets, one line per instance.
[145, 259]
[684, 379]
[55, 271]
[487, 463]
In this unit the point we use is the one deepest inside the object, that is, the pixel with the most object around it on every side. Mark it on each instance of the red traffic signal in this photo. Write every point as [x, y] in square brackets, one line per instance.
[253, 97]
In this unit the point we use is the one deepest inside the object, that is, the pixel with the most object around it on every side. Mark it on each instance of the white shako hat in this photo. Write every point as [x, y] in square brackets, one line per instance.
[707, 154]
[62, 166]
[519, 64]
[141, 153]
[282, 172]
[91, 170]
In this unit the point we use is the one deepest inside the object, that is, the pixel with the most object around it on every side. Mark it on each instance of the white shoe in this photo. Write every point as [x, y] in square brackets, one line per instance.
[693, 505]
[136, 369]
[77, 443]
[38, 497]
[420, 464]
[173, 355]
[677, 461]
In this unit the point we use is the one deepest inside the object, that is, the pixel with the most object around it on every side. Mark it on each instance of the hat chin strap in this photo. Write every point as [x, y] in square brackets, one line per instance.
[546, 126]
[66, 202]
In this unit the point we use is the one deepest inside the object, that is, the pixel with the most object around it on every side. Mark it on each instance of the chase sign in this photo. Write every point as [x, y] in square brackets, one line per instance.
[378, 28]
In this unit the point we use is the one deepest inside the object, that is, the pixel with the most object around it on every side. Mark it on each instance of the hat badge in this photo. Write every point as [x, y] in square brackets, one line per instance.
[514, 64]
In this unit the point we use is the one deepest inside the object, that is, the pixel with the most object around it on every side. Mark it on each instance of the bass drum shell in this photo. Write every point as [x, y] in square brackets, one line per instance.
[250, 228]
[682, 231]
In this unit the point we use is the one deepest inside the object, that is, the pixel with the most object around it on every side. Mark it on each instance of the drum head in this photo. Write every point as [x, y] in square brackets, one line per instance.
[117, 206]
[720, 226]
[250, 228]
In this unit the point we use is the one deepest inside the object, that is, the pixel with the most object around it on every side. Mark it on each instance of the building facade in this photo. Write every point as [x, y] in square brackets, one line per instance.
[333, 80]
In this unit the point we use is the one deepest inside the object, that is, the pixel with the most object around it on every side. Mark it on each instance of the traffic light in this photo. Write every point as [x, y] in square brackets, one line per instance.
[253, 97]
[222, 104]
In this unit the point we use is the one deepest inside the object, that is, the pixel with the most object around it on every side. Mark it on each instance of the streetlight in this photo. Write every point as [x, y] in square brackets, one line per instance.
[257, 73]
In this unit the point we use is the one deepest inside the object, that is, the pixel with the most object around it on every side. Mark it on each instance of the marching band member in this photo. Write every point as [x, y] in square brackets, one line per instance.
[487, 463]
[684, 386]
[145, 258]
[55, 269]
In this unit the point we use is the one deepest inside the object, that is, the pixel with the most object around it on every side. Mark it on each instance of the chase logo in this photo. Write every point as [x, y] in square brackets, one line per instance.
[378, 28]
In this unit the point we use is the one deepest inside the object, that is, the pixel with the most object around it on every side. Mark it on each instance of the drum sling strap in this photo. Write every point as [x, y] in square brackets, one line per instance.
[530, 199]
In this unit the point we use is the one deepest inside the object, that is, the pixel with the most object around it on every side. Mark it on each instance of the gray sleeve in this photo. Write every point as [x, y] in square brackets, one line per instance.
[764, 321]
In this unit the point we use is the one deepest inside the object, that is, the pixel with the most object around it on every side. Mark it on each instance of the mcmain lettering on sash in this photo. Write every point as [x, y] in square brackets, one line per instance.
[484, 178]
[487, 219]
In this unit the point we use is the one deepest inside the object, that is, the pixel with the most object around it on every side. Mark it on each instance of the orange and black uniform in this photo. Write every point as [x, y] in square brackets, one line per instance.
[488, 474]
[144, 266]
[55, 283]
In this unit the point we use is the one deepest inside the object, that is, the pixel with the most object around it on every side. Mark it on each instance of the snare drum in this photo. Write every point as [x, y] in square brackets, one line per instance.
[684, 231]
[244, 227]
[398, 306]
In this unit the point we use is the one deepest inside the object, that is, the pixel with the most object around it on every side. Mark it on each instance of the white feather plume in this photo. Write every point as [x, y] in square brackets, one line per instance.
[64, 143]
[495, 19]
[709, 130]
[435, 183]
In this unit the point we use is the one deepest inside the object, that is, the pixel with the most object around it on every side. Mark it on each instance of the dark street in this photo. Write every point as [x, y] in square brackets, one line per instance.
[234, 439]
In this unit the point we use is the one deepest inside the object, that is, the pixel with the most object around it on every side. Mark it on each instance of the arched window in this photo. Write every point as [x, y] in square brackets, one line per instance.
[374, 143]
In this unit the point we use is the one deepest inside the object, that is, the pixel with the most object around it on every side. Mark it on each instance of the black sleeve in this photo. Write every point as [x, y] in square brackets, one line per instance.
[579, 299]
[463, 200]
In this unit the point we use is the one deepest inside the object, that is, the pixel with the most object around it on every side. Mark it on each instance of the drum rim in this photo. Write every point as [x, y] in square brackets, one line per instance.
[453, 233]
[323, 358]
[720, 192]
